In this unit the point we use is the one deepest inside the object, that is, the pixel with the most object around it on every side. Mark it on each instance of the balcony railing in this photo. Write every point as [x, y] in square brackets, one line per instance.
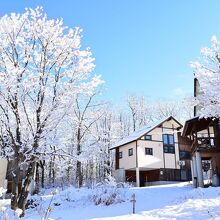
[204, 143]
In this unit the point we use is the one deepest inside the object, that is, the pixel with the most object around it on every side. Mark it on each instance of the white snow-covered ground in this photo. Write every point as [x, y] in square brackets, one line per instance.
[176, 201]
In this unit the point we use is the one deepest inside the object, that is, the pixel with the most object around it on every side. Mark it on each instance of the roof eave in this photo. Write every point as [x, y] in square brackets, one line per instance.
[112, 148]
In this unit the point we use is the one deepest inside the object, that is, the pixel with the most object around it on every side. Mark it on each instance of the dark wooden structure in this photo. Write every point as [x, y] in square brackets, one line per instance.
[158, 175]
[204, 134]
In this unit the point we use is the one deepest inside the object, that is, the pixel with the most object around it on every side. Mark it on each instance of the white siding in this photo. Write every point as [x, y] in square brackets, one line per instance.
[3, 170]
[159, 159]
[127, 162]
[150, 161]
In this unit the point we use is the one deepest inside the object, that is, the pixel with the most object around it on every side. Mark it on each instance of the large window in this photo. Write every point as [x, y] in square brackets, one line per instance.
[130, 152]
[168, 143]
[148, 151]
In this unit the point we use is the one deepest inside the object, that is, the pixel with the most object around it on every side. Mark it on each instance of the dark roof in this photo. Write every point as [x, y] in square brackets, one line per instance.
[195, 124]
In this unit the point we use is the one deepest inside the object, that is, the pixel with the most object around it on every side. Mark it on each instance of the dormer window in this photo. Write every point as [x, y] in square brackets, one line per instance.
[148, 137]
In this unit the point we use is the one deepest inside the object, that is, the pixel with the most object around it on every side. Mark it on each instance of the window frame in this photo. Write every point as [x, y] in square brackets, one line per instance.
[172, 149]
[149, 151]
[130, 152]
[120, 154]
[171, 136]
[169, 144]
[147, 139]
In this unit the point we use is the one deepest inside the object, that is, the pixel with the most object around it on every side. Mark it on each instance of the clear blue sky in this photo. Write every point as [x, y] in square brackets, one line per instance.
[140, 46]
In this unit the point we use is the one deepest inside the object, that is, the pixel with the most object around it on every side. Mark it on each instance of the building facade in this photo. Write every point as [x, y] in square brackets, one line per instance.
[204, 134]
[152, 154]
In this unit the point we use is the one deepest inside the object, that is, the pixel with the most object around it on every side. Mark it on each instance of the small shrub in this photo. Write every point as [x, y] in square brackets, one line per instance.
[32, 203]
[108, 192]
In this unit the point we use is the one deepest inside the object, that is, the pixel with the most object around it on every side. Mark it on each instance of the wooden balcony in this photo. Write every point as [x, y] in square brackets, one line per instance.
[205, 143]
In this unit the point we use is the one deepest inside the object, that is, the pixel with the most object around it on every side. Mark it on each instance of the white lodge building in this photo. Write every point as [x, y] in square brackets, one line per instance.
[151, 154]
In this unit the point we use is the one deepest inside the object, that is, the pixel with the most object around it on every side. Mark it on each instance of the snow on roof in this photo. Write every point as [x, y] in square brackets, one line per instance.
[139, 133]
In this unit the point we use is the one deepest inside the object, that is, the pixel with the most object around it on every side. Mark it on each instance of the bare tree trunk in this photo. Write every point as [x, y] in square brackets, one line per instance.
[15, 182]
[79, 164]
[68, 174]
[100, 175]
[53, 175]
[42, 164]
[51, 168]
[79, 173]
[51, 172]
[37, 179]
[86, 173]
[97, 171]
[26, 187]
[90, 170]
[107, 163]
[134, 121]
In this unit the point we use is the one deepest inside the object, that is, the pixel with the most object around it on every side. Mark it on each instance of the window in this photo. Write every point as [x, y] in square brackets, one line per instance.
[147, 137]
[165, 138]
[185, 155]
[165, 149]
[130, 152]
[148, 151]
[120, 155]
[168, 139]
[168, 144]
[171, 139]
[171, 150]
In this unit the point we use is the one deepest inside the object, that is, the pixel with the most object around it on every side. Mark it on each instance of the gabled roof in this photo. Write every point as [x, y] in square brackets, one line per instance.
[196, 124]
[143, 131]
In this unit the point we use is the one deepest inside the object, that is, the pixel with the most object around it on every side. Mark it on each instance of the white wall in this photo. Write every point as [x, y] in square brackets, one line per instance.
[159, 159]
[3, 170]
[127, 162]
[170, 161]
[150, 161]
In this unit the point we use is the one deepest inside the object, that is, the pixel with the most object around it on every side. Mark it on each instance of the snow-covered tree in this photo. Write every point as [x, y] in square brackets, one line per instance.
[207, 72]
[162, 109]
[86, 112]
[109, 131]
[139, 110]
[42, 68]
